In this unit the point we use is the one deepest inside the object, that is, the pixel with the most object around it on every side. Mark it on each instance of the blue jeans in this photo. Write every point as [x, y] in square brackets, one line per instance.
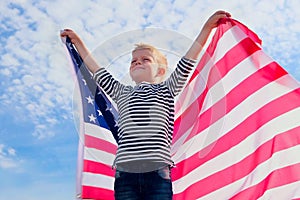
[154, 185]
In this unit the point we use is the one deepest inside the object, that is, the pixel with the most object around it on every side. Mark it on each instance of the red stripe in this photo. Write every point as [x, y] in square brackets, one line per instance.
[95, 193]
[248, 32]
[204, 60]
[232, 58]
[212, 46]
[233, 137]
[243, 168]
[97, 168]
[237, 95]
[218, 71]
[276, 178]
[93, 142]
[272, 110]
[229, 23]
[188, 117]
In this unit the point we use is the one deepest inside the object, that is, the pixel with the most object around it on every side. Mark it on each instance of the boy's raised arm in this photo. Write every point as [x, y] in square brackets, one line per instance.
[201, 39]
[83, 51]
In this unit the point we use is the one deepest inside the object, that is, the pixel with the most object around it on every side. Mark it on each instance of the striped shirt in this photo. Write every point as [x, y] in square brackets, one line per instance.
[146, 118]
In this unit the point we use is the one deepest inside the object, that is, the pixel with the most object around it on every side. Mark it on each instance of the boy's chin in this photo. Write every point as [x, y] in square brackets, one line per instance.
[138, 79]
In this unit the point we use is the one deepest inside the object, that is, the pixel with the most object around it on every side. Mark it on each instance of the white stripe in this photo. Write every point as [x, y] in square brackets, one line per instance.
[278, 160]
[237, 115]
[197, 85]
[261, 93]
[229, 39]
[289, 191]
[239, 72]
[190, 94]
[98, 156]
[179, 142]
[98, 180]
[79, 114]
[99, 132]
[235, 76]
[278, 125]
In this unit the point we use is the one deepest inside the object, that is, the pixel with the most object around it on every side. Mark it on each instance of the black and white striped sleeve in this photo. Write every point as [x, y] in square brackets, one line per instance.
[179, 76]
[110, 85]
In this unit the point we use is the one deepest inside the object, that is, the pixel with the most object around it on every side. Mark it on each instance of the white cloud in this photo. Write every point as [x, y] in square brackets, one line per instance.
[42, 131]
[8, 158]
[8, 60]
[37, 76]
[35, 65]
[37, 80]
[11, 151]
[5, 72]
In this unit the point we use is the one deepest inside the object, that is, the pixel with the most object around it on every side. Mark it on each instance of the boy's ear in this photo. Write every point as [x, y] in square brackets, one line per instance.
[161, 71]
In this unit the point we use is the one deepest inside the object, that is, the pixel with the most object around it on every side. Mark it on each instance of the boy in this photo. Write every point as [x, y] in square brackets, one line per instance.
[146, 114]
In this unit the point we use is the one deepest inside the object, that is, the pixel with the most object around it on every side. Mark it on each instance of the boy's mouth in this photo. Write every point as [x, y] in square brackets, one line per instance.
[137, 67]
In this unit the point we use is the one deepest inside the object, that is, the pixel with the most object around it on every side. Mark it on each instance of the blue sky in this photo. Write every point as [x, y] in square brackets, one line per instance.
[38, 135]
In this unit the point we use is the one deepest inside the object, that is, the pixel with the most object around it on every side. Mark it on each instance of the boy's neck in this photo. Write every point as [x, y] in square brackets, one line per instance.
[154, 82]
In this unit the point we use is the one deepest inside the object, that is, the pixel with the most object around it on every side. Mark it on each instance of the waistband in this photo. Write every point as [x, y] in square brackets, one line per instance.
[141, 167]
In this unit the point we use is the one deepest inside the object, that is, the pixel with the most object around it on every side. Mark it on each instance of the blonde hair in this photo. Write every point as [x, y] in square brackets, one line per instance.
[159, 56]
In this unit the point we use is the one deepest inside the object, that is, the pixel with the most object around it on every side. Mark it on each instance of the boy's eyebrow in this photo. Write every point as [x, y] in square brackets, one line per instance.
[134, 58]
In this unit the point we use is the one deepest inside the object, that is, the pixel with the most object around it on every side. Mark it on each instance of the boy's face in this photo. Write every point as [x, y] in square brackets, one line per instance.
[144, 67]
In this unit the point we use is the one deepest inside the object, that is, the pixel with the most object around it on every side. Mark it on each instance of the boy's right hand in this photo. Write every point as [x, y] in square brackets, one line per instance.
[75, 39]
[82, 49]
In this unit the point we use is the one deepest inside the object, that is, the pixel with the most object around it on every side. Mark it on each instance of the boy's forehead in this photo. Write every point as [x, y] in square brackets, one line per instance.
[142, 52]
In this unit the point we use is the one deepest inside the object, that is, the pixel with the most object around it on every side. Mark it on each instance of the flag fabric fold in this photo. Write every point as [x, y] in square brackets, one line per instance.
[236, 132]
[98, 135]
[237, 128]
[108, 111]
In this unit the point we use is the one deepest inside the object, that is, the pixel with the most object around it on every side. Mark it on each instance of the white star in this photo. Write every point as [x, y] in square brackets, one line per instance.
[99, 112]
[92, 118]
[116, 123]
[108, 108]
[90, 100]
[84, 81]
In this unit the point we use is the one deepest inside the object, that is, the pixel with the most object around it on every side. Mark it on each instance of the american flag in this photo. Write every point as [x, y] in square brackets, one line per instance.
[98, 135]
[237, 128]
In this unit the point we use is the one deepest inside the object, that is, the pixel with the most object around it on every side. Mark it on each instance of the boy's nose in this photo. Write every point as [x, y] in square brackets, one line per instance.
[138, 62]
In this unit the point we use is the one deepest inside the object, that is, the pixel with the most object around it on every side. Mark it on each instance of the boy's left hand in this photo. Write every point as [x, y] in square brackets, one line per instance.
[214, 20]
